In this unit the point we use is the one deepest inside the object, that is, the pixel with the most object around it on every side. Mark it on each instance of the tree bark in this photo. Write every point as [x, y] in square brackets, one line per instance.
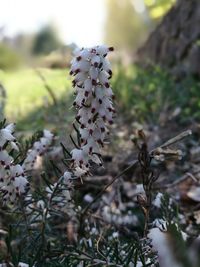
[175, 43]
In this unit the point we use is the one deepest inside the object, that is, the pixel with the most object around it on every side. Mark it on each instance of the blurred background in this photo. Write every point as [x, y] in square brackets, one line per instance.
[156, 81]
[151, 38]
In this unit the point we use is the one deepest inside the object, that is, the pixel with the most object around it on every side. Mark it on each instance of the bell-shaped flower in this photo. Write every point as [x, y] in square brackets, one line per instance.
[92, 73]
[38, 149]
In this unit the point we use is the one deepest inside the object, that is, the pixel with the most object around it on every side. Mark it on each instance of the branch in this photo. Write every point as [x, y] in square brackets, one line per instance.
[166, 144]
[176, 139]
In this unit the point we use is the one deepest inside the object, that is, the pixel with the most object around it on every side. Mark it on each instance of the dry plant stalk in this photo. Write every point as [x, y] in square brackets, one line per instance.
[171, 141]
[148, 174]
[148, 178]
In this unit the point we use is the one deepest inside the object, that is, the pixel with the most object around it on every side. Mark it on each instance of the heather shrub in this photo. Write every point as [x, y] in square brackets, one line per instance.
[55, 212]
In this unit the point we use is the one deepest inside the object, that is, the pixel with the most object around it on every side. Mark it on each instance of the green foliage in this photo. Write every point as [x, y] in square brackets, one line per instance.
[123, 24]
[46, 41]
[9, 59]
[158, 8]
[3, 98]
[169, 209]
[147, 93]
[126, 27]
[28, 101]
[142, 94]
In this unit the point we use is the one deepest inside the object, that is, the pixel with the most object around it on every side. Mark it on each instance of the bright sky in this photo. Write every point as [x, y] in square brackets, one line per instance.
[79, 21]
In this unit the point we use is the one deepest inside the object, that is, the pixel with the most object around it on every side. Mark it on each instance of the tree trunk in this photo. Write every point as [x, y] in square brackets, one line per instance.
[175, 43]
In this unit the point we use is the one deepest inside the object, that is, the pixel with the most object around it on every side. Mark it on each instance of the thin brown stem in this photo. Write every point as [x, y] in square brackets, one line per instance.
[169, 142]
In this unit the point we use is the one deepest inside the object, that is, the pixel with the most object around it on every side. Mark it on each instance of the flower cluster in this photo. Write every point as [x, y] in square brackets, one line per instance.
[38, 149]
[13, 182]
[91, 71]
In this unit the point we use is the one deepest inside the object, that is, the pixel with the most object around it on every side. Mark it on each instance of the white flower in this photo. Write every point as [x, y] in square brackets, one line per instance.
[16, 170]
[161, 224]
[48, 134]
[158, 200]
[22, 264]
[6, 136]
[5, 159]
[13, 182]
[91, 146]
[14, 145]
[10, 127]
[12, 187]
[103, 49]
[40, 204]
[81, 171]
[67, 176]
[91, 71]
[79, 156]
[38, 149]
[115, 234]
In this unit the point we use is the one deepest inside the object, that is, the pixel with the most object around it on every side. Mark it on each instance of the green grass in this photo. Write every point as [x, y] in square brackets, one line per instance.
[145, 93]
[28, 101]
[26, 91]
[141, 94]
